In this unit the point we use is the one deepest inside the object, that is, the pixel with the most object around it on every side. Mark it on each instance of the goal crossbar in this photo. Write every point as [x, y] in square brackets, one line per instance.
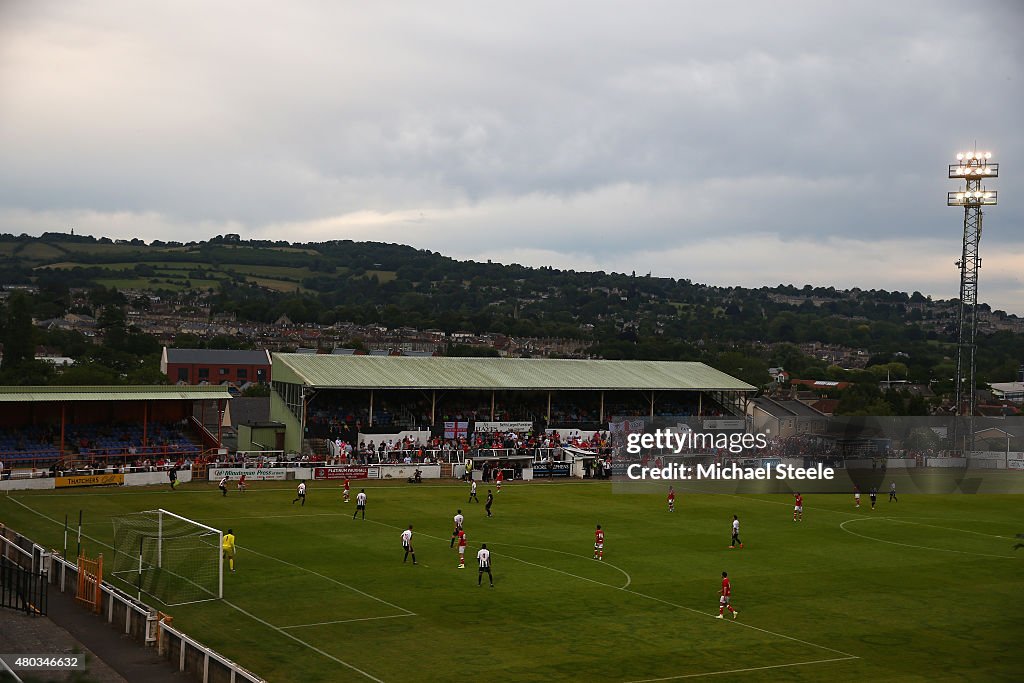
[186, 519]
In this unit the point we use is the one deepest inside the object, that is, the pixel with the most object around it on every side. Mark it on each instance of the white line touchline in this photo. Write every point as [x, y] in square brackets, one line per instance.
[347, 621]
[302, 642]
[842, 526]
[846, 655]
[737, 671]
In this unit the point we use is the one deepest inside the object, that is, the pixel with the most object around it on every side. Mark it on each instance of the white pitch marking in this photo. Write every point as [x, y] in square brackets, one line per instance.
[269, 557]
[346, 621]
[737, 671]
[246, 613]
[900, 520]
[326, 488]
[751, 496]
[302, 642]
[629, 579]
[846, 655]
[327, 578]
[842, 526]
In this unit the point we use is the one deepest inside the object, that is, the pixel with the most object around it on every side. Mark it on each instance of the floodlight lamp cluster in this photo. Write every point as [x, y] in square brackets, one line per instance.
[972, 198]
[965, 170]
[973, 166]
[968, 156]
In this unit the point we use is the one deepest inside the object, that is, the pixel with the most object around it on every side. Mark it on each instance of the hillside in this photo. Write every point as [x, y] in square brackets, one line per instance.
[613, 315]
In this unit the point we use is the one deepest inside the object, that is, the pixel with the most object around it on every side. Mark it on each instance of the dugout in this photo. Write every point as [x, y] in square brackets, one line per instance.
[581, 462]
[40, 425]
[513, 465]
[314, 393]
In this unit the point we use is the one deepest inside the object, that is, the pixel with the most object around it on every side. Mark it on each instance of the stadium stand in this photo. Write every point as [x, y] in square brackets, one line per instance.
[320, 396]
[47, 428]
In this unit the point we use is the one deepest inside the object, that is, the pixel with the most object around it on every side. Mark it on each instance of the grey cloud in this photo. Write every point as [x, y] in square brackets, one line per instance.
[570, 129]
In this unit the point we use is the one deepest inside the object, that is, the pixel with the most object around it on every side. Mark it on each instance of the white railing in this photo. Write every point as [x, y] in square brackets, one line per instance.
[198, 649]
[143, 623]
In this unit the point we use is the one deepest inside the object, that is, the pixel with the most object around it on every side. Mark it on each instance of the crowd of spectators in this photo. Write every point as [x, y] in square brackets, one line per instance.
[436, 449]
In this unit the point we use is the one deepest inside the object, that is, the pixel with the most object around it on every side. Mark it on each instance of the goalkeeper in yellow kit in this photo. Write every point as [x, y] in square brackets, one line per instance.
[229, 548]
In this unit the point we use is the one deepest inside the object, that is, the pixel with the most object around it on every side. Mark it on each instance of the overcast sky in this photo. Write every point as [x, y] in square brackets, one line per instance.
[734, 143]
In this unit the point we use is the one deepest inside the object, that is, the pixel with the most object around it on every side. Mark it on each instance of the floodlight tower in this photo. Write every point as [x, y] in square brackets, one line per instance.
[974, 168]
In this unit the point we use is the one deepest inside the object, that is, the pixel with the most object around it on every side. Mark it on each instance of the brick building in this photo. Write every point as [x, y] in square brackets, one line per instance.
[215, 366]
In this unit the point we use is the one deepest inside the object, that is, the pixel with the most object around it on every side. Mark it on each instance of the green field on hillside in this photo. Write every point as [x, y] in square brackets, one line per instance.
[383, 276]
[39, 251]
[276, 285]
[927, 588]
[169, 283]
[272, 271]
[171, 275]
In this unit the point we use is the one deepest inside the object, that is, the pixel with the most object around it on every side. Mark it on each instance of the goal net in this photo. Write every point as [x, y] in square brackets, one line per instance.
[172, 558]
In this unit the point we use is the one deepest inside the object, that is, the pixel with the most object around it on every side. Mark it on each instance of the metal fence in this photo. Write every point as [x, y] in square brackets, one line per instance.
[23, 580]
[22, 589]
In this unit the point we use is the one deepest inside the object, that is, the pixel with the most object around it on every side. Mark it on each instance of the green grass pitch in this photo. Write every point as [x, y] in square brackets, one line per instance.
[926, 589]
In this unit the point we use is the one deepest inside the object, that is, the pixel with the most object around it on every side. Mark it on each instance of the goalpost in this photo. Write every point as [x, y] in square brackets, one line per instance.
[175, 559]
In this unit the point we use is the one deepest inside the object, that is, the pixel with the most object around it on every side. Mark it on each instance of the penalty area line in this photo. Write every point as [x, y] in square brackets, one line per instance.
[406, 612]
[304, 643]
[738, 671]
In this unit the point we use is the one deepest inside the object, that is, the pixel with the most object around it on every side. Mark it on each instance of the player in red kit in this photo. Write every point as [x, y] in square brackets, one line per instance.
[500, 477]
[462, 549]
[345, 492]
[725, 595]
[798, 507]
[598, 543]
[671, 499]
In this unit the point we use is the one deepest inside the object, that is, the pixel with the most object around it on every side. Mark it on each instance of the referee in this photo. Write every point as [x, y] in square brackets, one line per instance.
[484, 558]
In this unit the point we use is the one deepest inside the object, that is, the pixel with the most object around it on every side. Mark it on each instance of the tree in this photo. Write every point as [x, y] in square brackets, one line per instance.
[28, 373]
[113, 325]
[89, 374]
[17, 337]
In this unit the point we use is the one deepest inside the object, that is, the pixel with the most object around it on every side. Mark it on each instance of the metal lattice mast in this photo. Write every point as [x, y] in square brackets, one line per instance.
[973, 168]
